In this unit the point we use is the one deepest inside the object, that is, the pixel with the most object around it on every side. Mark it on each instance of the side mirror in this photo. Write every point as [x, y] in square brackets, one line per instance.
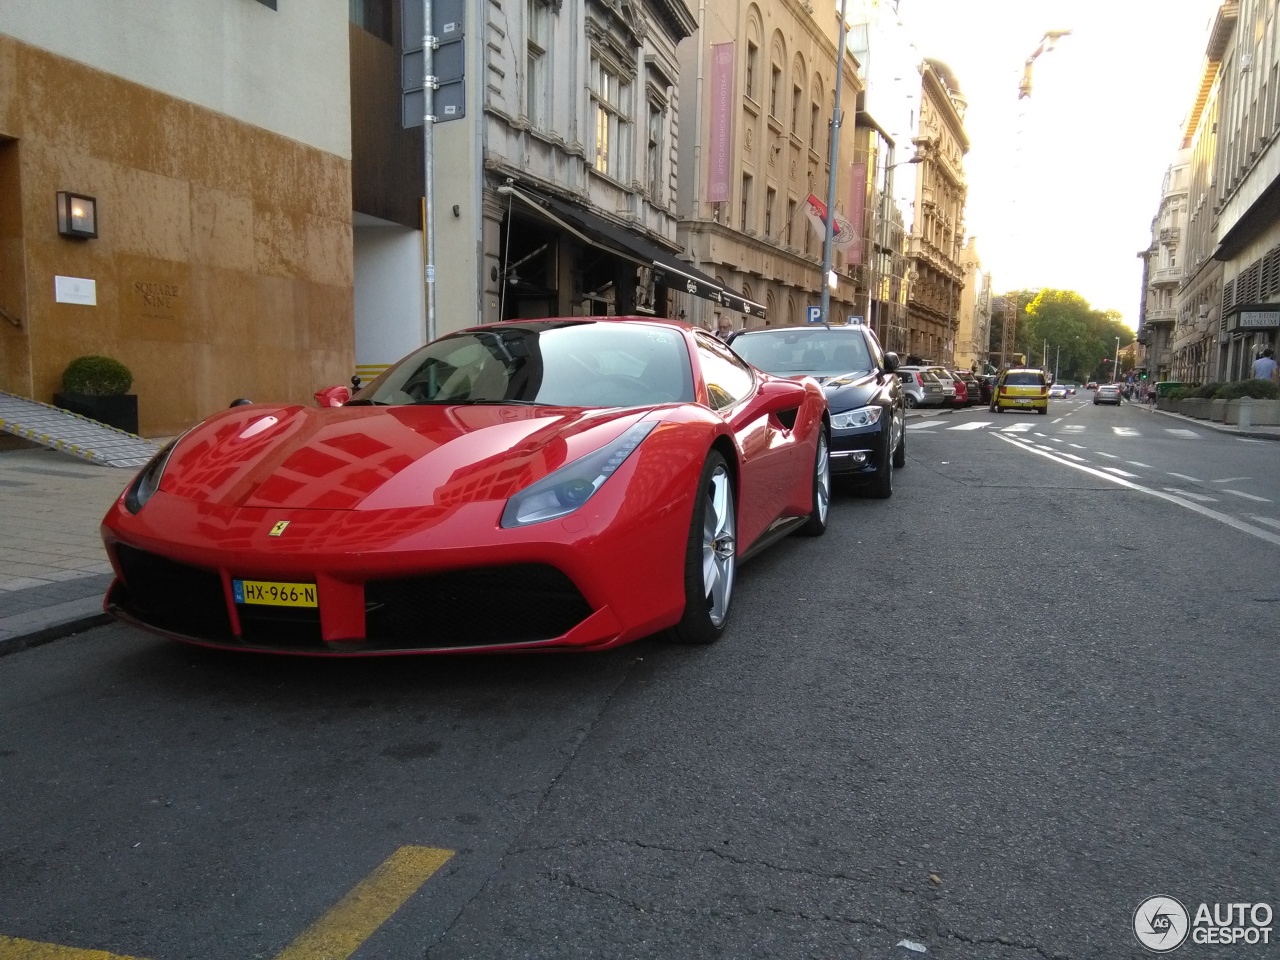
[240, 402]
[333, 396]
[890, 362]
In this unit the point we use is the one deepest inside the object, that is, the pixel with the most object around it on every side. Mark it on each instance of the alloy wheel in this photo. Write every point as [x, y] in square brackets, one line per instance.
[719, 545]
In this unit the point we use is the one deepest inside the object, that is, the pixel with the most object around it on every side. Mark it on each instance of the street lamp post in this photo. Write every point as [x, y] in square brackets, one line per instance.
[825, 300]
[1115, 364]
[1057, 359]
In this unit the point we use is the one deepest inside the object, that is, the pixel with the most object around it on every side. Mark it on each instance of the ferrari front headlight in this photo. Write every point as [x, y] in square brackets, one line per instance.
[147, 482]
[564, 491]
[854, 419]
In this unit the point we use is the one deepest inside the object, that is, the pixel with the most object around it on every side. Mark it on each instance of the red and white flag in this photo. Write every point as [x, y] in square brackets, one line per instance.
[843, 236]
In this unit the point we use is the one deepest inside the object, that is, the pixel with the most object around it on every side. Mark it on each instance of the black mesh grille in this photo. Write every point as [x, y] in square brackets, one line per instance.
[283, 627]
[467, 608]
[172, 596]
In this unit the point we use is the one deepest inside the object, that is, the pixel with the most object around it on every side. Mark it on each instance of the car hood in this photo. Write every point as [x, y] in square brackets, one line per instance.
[850, 390]
[368, 458]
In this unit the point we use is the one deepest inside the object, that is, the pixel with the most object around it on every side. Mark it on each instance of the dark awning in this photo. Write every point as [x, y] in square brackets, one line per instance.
[596, 230]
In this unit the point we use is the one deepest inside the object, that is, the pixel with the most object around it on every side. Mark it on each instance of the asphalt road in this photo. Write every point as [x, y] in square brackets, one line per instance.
[988, 717]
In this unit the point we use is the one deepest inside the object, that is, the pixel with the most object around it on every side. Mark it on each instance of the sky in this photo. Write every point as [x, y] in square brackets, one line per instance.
[1063, 185]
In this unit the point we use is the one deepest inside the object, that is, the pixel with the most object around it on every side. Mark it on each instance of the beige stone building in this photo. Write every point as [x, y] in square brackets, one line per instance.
[220, 261]
[937, 229]
[1159, 309]
[1198, 303]
[759, 84]
[973, 332]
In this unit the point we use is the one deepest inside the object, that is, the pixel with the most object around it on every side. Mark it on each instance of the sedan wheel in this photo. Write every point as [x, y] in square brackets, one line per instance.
[882, 486]
[910, 401]
[711, 557]
[816, 525]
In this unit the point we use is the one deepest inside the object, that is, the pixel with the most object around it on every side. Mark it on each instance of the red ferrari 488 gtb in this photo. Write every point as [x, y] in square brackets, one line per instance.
[569, 483]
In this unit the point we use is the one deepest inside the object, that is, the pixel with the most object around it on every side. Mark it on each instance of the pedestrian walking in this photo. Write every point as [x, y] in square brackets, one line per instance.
[1264, 368]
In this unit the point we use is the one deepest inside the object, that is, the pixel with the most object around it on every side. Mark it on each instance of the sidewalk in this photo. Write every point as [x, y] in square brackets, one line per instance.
[53, 567]
[1252, 433]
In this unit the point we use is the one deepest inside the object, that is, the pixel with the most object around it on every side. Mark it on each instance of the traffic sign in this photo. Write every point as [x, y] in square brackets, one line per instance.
[813, 315]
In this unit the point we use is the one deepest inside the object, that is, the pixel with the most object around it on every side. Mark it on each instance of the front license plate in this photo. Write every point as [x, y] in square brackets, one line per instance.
[269, 593]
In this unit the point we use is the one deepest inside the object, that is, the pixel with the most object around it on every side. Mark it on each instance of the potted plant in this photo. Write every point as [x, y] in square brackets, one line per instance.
[98, 388]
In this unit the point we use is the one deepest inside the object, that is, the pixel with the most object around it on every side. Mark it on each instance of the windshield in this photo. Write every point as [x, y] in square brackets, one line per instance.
[822, 353]
[573, 364]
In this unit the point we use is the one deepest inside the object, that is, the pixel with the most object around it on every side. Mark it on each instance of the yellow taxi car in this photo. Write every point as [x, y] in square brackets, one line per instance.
[1021, 389]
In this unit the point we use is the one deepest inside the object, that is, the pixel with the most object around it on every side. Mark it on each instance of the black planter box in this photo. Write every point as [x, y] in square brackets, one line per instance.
[120, 411]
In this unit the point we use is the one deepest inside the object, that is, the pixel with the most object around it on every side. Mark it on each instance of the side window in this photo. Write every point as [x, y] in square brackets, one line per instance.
[728, 378]
[873, 345]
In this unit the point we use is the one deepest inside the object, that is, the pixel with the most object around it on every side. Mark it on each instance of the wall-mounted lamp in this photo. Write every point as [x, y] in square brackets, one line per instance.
[77, 215]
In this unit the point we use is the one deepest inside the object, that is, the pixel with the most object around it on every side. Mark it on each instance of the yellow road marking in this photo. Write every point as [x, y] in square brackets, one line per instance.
[12, 949]
[355, 917]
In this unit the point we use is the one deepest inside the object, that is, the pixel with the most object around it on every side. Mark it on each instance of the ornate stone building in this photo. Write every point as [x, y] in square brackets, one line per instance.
[759, 81]
[937, 228]
[1159, 309]
[973, 334]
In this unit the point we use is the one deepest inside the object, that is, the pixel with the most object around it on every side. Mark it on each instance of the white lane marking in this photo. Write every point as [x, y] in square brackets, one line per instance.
[1268, 521]
[1103, 453]
[1230, 521]
[1191, 496]
[1135, 463]
[1121, 473]
[1055, 439]
[1249, 440]
[975, 425]
[1076, 445]
[1076, 427]
[1017, 428]
[1059, 420]
[1039, 434]
[1246, 496]
[1226, 479]
[1190, 434]
[1072, 456]
[1183, 476]
[925, 425]
[1125, 432]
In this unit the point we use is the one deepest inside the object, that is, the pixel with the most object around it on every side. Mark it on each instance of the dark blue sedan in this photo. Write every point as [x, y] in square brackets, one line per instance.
[868, 416]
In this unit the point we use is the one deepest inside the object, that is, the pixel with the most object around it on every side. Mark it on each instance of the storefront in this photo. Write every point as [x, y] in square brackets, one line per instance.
[1250, 329]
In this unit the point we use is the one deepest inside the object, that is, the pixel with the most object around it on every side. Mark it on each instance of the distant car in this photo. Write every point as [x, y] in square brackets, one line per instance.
[920, 388]
[985, 384]
[1107, 393]
[1021, 389]
[944, 379]
[973, 395]
[867, 402]
[1091, 385]
[1058, 392]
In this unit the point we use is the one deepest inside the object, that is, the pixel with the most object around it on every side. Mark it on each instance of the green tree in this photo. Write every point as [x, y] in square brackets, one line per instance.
[1081, 340]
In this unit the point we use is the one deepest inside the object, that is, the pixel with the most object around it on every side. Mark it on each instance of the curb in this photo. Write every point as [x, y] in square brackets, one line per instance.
[1225, 429]
[36, 627]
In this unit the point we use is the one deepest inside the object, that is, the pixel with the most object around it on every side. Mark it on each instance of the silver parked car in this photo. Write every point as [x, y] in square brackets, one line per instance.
[920, 388]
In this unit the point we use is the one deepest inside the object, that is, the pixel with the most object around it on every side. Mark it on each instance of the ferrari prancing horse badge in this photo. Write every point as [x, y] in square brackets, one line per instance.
[278, 528]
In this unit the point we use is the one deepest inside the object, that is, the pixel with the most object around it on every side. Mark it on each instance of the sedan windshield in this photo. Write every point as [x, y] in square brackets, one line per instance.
[822, 353]
[574, 364]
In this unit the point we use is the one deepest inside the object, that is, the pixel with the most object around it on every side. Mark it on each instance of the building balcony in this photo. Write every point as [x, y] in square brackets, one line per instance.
[1167, 315]
[1169, 233]
[1162, 276]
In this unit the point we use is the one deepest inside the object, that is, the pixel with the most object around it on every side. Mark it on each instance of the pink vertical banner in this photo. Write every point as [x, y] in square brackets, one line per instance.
[720, 154]
[858, 210]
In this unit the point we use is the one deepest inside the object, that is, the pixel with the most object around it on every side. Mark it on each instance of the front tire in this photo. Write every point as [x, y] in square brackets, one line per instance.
[882, 486]
[900, 453]
[910, 401]
[711, 557]
[816, 525]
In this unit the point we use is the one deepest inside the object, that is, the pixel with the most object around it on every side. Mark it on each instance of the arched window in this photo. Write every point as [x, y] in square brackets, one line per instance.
[797, 96]
[777, 64]
[815, 113]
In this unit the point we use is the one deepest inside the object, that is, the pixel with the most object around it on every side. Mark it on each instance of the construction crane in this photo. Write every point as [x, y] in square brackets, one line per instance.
[1047, 43]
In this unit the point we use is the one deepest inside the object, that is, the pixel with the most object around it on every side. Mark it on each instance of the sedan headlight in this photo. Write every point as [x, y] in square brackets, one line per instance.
[853, 419]
[574, 484]
[147, 481]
